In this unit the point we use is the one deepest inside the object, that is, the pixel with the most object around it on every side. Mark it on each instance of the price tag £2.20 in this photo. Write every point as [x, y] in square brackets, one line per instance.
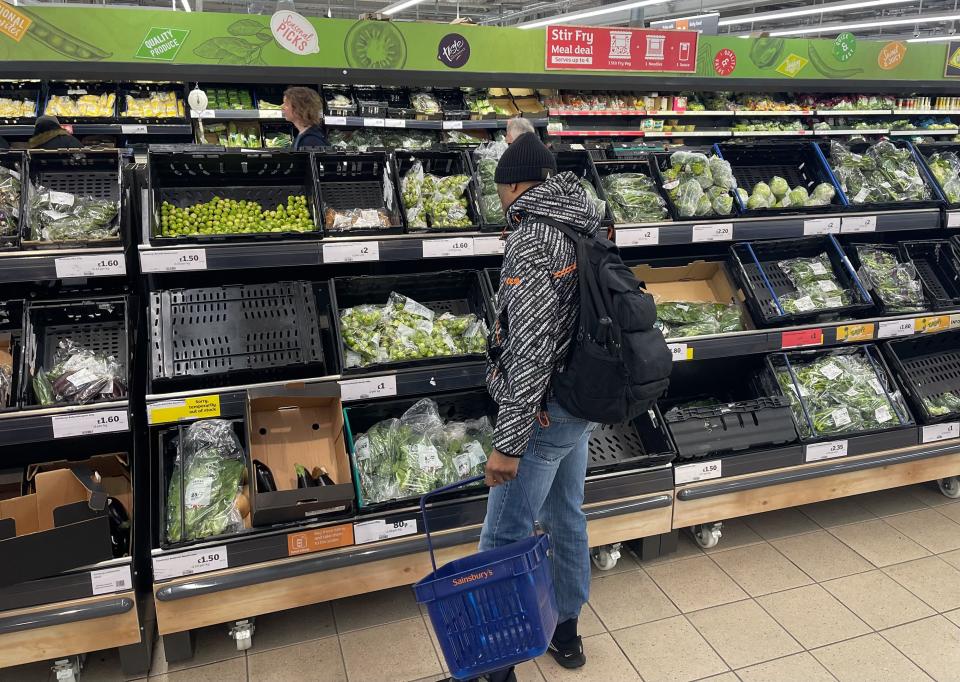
[190, 563]
[440, 248]
[718, 232]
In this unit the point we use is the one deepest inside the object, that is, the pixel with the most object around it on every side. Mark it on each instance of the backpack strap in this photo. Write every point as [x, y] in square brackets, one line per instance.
[563, 227]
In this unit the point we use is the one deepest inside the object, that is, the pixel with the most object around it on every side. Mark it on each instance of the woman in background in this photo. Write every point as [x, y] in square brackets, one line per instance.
[302, 107]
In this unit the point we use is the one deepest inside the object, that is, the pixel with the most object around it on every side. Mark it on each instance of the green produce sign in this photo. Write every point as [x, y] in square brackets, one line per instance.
[104, 35]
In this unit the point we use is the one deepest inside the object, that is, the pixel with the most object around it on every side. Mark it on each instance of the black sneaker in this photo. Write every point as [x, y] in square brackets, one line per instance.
[568, 654]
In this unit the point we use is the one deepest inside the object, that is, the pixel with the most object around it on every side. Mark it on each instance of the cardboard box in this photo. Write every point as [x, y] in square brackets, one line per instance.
[298, 425]
[530, 107]
[506, 104]
[64, 524]
[697, 282]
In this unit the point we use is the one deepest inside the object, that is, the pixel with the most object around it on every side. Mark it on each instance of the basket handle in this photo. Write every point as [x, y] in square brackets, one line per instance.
[454, 486]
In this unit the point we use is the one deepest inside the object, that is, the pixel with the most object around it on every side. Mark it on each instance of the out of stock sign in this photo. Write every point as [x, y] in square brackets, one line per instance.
[621, 49]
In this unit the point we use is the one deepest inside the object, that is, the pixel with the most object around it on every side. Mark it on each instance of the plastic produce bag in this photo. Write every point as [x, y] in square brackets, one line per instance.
[446, 206]
[79, 375]
[694, 318]
[883, 173]
[6, 383]
[896, 284]
[634, 198]
[816, 283]
[945, 167]
[411, 186]
[10, 187]
[942, 404]
[61, 216]
[207, 477]
[491, 209]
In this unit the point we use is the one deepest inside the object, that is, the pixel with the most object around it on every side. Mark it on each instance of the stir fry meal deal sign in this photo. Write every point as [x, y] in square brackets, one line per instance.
[621, 49]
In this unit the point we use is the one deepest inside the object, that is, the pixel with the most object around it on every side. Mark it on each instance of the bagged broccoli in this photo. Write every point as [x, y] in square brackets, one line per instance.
[688, 198]
[896, 284]
[207, 477]
[721, 173]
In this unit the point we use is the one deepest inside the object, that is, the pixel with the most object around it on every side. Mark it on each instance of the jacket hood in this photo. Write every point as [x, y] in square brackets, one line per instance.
[561, 198]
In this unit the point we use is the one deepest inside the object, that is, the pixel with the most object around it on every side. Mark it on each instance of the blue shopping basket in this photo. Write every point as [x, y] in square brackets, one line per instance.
[492, 609]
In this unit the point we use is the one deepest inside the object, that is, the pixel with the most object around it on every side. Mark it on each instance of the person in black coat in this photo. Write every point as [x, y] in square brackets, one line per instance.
[48, 134]
[302, 107]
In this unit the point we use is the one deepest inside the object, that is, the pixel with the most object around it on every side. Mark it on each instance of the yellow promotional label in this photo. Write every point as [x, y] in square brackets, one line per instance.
[197, 407]
[954, 60]
[855, 332]
[792, 65]
[12, 22]
[937, 323]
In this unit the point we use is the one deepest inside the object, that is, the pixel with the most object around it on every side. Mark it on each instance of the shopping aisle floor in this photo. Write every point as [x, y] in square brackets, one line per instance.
[863, 589]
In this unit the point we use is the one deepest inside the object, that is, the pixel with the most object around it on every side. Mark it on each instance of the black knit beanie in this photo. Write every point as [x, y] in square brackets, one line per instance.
[527, 159]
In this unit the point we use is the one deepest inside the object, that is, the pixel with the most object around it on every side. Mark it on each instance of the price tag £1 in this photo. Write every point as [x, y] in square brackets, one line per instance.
[937, 432]
[89, 423]
[440, 248]
[178, 260]
[368, 387]
[104, 265]
[719, 232]
[190, 563]
[351, 252]
[815, 452]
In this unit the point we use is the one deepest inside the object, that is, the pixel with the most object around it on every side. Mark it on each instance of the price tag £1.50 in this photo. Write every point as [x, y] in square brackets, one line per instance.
[699, 471]
[178, 260]
[190, 563]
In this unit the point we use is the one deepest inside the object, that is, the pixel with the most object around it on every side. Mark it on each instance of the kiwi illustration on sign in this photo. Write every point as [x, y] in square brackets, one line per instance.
[243, 46]
[60, 41]
[375, 45]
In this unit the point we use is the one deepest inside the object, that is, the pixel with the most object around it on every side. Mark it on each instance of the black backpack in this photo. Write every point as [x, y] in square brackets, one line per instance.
[618, 363]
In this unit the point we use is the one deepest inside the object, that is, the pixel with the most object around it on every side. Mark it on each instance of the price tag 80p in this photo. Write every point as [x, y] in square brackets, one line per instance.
[372, 531]
[368, 387]
[680, 351]
[178, 260]
[816, 452]
[440, 248]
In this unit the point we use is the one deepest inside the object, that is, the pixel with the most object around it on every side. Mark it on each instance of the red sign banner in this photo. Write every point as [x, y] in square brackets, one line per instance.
[621, 49]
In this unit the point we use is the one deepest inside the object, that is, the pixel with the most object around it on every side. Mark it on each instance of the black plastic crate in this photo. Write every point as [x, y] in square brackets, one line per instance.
[11, 336]
[329, 92]
[452, 103]
[883, 307]
[88, 173]
[100, 324]
[398, 102]
[452, 291]
[860, 148]
[20, 92]
[185, 179]
[580, 162]
[459, 406]
[901, 419]
[358, 181]
[78, 89]
[371, 101]
[143, 91]
[927, 366]
[763, 282]
[938, 269]
[642, 166]
[15, 161]
[235, 331]
[659, 162]
[442, 164]
[924, 152]
[800, 164]
[640, 443]
[491, 283]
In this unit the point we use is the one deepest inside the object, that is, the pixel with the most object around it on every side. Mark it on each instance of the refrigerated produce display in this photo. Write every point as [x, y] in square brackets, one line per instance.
[232, 369]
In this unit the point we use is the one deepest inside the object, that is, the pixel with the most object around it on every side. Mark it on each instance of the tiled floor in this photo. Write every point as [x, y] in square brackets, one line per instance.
[863, 589]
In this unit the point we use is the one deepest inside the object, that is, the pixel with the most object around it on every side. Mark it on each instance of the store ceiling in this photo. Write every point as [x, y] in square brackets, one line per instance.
[906, 20]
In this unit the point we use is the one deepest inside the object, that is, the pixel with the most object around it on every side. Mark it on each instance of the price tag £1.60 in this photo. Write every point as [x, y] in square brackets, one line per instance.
[178, 260]
[103, 265]
[190, 563]
[89, 423]
[440, 248]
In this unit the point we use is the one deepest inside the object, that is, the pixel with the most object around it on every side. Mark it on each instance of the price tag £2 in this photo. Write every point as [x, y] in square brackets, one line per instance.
[89, 423]
[190, 563]
[814, 226]
[351, 252]
[816, 452]
[640, 236]
[440, 248]
[719, 232]
[858, 223]
[177, 260]
[104, 265]
[699, 471]
[368, 387]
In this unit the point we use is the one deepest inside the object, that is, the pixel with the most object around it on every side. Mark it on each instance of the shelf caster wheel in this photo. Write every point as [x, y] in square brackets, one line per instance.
[606, 556]
[242, 633]
[950, 487]
[707, 535]
[66, 669]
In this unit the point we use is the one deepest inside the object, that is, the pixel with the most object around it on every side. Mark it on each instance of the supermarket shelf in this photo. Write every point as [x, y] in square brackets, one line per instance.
[923, 131]
[926, 112]
[36, 266]
[239, 114]
[695, 133]
[851, 131]
[68, 586]
[774, 227]
[718, 132]
[771, 133]
[108, 129]
[792, 112]
[855, 112]
[37, 425]
[362, 122]
[635, 112]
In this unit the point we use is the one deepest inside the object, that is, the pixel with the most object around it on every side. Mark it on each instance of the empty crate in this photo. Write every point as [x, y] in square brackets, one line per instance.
[359, 193]
[928, 367]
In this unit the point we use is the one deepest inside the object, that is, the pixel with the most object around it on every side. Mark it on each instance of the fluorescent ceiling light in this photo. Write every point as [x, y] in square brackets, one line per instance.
[186, 5]
[586, 14]
[836, 28]
[390, 10]
[934, 39]
[806, 11]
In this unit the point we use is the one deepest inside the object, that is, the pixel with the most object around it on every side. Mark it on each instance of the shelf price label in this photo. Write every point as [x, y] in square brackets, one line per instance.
[639, 236]
[928, 325]
[379, 529]
[816, 452]
[133, 129]
[953, 219]
[801, 337]
[699, 471]
[452, 125]
[271, 113]
[858, 223]
[488, 246]
[893, 328]
[680, 351]
[109, 580]
[177, 409]
[190, 563]
[335, 120]
[441, 248]
[937, 432]
[373, 123]
[351, 252]
[718, 232]
[178, 260]
[368, 387]
[855, 332]
[103, 265]
[394, 123]
[815, 226]
[89, 423]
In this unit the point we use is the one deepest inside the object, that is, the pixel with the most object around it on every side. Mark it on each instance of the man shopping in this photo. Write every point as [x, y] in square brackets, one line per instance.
[535, 439]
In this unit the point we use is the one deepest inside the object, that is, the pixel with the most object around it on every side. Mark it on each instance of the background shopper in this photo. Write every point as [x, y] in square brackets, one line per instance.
[303, 108]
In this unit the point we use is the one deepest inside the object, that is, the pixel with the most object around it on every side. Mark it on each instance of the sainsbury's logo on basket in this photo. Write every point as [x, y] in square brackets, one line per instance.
[473, 577]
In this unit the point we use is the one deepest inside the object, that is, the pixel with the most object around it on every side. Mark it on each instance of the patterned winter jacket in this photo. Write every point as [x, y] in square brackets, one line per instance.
[537, 305]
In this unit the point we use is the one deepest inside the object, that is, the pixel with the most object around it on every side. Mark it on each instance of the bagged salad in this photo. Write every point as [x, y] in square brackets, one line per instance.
[206, 483]
[634, 198]
[896, 284]
[816, 284]
[79, 375]
[64, 217]
[699, 185]
[10, 186]
[677, 319]
[883, 173]
[419, 452]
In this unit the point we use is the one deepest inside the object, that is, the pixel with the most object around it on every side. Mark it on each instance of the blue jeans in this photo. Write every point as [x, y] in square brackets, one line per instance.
[553, 470]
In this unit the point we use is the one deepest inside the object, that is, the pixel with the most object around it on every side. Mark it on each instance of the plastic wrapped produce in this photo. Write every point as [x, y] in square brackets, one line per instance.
[634, 198]
[816, 284]
[693, 318]
[945, 167]
[6, 384]
[9, 201]
[61, 217]
[424, 103]
[688, 199]
[599, 204]
[411, 185]
[419, 452]
[207, 477]
[896, 284]
[840, 392]
[942, 404]
[447, 205]
[779, 187]
[491, 209]
[153, 105]
[79, 375]
[687, 169]
[883, 173]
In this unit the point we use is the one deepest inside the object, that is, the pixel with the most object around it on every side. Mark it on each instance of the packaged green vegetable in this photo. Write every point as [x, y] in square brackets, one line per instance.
[779, 187]
[942, 404]
[634, 198]
[896, 284]
[883, 173]
[945, 167]
[816, 283]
